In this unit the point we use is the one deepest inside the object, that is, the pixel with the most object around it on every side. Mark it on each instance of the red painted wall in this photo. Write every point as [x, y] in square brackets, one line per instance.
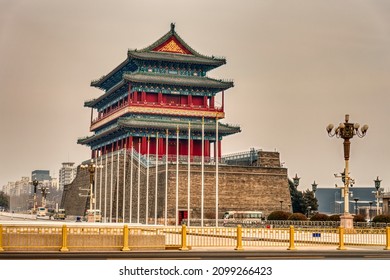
[197, 100]
[151, 97]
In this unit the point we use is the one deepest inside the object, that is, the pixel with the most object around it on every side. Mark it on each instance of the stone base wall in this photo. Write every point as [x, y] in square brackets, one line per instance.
[121, 192]
[71, 201]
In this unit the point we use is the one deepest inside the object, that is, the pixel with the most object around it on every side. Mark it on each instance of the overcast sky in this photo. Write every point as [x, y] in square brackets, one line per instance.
[297, 66]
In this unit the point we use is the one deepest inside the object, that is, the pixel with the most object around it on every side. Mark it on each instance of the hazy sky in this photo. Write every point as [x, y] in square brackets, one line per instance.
[297, 66]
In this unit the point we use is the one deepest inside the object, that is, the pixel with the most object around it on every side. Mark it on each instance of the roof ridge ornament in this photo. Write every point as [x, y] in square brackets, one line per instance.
[172, 27]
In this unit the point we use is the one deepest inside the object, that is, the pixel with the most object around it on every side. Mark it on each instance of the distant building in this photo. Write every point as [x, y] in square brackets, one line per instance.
[331, 201]
[19, 193]
[40, 175]
[66, 174]
[7, 189]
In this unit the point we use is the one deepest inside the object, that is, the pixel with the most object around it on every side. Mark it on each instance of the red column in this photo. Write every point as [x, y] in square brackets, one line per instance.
[136, 144]
[189, 100]
[159, 97]
[129, 142]
[215, 149]
[207, 148]
[163, 146]
[191, 149]
[160, 146]
[143, 145]
[212, 102]
[135, 96]
[204, 101]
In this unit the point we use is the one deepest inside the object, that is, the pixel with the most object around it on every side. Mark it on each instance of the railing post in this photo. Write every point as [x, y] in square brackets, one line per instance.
[183, 238]
[292, 245]
[125, 238]
[1, 238]
[64, 247]
[239, 239]
[341, 239]
[387, 239]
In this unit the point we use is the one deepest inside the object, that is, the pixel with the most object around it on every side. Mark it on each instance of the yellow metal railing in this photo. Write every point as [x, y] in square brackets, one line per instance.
[341, 239]
[64, 247]
[292, 239]
[387, 239]
[1, 238]
[94, 237]
[305, 237]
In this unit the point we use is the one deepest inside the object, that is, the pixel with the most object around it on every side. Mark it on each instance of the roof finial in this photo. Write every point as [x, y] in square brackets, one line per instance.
[172, 27]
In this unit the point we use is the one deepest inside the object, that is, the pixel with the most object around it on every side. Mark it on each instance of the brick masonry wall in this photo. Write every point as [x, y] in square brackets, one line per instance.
[71, 201]
[268, 159]
[240, 188]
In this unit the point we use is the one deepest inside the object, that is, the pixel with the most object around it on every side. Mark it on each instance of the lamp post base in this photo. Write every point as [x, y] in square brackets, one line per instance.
[346, 221]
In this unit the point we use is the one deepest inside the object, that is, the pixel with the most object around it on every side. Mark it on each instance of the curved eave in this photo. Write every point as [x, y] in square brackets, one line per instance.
[223, 129]
[92, 103]
[162, 125]
[101, 80]
[176, 58]
[89, 139]
[186, 81]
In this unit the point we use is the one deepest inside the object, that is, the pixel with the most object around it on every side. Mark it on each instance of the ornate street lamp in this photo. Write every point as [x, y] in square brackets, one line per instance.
[296, 181]
[44, 192]
[35, 184]
[369, 211]
[356, 207]
[342, 174]
[377, 187]
[346, 131]
[91, 167]
[308, 211]
[314, 188]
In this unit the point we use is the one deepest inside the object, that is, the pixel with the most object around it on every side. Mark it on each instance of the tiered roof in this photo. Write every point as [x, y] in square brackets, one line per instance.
[168, 51]
[159, 79]
[177, 80]
[148, 123]
[169, 48]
